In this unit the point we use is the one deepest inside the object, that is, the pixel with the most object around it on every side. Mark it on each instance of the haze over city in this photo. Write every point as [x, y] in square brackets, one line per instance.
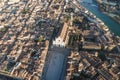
[59, 39]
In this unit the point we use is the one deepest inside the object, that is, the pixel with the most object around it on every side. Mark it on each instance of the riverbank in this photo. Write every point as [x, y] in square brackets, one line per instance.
[98, 1]
[114, 17]
[111, 15]
[112, 24]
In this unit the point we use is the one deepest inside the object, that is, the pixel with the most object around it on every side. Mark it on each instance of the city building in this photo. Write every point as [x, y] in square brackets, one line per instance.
[60, 40]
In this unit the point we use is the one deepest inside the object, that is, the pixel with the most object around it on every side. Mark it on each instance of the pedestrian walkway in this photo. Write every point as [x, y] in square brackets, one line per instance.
[55, 64]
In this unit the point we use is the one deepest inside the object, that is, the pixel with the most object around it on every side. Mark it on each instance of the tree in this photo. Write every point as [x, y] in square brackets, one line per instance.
[40, 39]
[3, 29]
[25, 11]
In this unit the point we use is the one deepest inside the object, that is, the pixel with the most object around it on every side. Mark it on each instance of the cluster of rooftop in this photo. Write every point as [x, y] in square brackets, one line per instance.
[26, 30]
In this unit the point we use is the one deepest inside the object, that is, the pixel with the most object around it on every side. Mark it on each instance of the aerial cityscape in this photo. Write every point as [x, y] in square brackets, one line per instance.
[59, 39]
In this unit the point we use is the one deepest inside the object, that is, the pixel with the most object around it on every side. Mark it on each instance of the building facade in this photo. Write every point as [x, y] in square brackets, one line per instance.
[60, 40]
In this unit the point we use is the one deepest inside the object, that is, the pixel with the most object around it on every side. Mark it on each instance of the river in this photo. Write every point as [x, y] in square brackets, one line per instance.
[92, 7]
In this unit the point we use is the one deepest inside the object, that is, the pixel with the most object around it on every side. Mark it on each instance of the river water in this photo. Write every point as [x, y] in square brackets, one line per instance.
[92, 7]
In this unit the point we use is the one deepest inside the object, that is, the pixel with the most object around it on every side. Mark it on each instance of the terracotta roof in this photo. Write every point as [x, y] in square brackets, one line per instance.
[63, 31]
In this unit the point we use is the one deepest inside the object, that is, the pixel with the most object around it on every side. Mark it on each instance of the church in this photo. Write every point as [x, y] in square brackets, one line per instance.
[60, 40]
